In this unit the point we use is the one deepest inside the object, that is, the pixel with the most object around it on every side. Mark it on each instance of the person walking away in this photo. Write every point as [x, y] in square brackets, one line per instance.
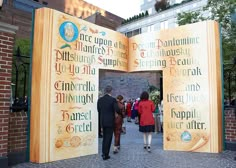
[100, 134]
[107, 106]
[118, 123]
[146, 108]
[157, 119]
[132, 110]
[124, 116]
[128, 110]
[136, 111]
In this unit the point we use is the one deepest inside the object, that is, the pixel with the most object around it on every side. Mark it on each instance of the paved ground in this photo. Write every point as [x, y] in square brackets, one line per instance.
[132, 155]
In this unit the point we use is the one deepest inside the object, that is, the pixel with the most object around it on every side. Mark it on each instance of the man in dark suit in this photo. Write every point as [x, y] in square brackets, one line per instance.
[106, 106]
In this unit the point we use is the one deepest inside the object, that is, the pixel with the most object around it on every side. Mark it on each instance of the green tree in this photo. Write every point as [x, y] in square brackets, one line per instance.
[140, 15]
[24, 45]
[189, 17]
[220, 11]
[161, 5]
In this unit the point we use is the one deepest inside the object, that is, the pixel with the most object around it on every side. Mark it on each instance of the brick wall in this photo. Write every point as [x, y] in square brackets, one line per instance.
[18, 18]
[7, 35]
[130, 85]
[6, 46]
[17, 140]
[230, 125]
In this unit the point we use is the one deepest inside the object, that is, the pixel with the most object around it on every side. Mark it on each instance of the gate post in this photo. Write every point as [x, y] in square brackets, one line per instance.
[7, 37]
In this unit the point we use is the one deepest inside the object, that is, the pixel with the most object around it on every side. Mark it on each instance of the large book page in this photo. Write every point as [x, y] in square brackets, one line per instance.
[185, 55]
[68, 53]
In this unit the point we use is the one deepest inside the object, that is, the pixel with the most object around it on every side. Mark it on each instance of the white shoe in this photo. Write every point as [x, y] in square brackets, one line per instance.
[116, 150]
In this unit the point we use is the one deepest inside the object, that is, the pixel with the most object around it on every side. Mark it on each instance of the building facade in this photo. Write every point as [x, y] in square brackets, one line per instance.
[19, 13]
[157, 21]
[148, 5]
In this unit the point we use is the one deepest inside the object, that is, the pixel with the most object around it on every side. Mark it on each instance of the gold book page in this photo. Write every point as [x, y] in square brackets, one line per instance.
[68, 53]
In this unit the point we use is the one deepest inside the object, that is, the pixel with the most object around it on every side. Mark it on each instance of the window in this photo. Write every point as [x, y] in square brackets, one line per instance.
[129, 34]
[150, 11]
[176, 24]
[150, 28]
[178, 1]
[164, 24]
[136, 32]
[178, 11]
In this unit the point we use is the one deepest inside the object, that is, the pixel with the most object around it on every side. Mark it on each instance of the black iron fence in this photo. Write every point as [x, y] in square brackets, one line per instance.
[230, 83]
[20, 80]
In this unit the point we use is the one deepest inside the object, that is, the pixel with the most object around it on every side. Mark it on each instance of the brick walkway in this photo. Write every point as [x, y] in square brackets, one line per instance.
[132, 155]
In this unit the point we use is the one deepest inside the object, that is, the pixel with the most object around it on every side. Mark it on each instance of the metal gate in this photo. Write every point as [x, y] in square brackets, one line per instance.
[20, 80]
[230, 83]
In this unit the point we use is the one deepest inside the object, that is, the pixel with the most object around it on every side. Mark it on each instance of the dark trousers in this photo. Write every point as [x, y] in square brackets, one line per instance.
[117, 130]
[99, 126]
[107, 139]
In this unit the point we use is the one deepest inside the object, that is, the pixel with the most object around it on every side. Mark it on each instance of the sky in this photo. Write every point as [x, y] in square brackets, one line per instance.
[122, 8]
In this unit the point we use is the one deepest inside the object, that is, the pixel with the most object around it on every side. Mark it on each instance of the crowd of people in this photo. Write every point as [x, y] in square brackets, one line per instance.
[115, 112]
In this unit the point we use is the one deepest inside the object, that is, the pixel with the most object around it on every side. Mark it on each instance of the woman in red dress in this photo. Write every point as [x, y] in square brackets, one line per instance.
[147, 123]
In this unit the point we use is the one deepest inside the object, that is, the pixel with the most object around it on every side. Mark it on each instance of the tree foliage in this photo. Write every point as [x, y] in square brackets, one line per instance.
[155, 96]
[161, 5]
[24, 45]
[220, 11]
[135, 17]
[189, 17]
